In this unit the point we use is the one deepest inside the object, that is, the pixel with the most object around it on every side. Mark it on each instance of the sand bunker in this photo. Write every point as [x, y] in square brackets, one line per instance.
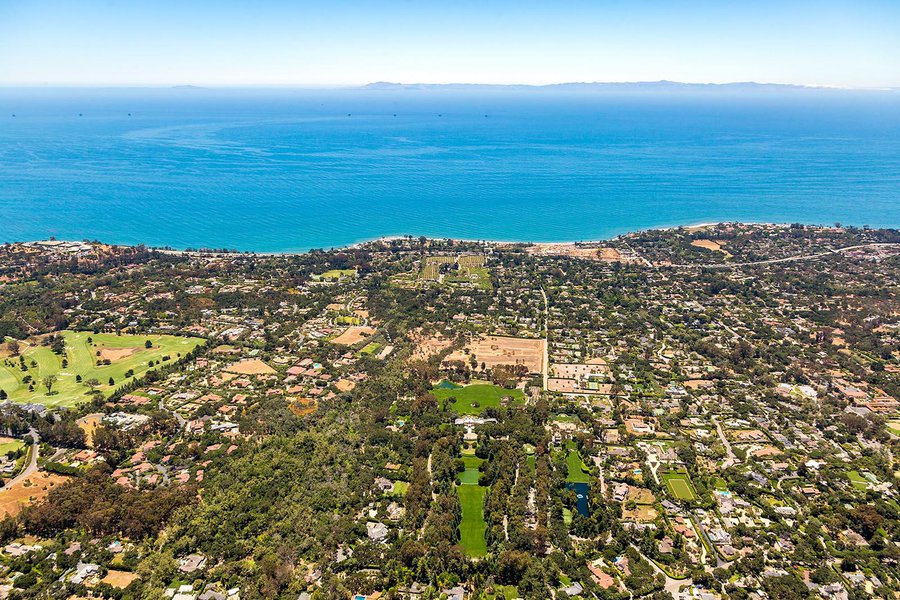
[114, 354]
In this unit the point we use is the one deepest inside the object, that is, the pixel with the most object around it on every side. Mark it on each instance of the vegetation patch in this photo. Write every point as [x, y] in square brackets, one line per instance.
[474, 398]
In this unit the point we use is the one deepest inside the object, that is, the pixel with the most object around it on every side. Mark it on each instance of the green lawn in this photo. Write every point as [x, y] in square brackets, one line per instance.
[400, 487]
[858, 481]
[679, 485]
[483, 394]
[370, 348]
[11, 447]
[83, 359]
[472, 526]
[336, 274]
[576, 466]
[471, 474]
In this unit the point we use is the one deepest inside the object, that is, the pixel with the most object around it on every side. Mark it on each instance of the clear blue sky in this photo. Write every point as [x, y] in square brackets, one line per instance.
[853, 43]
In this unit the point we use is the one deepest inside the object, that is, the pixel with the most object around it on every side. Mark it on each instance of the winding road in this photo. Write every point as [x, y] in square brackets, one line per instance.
[32, 465]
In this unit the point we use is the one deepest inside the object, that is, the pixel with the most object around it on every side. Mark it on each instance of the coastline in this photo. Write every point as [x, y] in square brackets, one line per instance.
[390, 238]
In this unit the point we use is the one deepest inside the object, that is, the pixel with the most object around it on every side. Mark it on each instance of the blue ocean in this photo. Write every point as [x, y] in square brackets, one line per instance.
[290, 169]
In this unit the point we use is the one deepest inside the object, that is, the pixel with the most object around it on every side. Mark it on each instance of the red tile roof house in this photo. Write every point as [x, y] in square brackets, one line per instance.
[601, 578]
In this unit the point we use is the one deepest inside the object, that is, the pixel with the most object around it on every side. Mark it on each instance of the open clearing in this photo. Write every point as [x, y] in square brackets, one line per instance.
[711, 245]
[88, 424]
[586, 252]
[474, 398]
[426, 347]
[353, 335]
[28, 491]
[250, 366]
[125, 353]
[119, 579]
[679, 485]
[493, 350]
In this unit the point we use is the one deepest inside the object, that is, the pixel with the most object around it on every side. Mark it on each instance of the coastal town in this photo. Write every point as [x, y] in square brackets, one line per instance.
[689, 413]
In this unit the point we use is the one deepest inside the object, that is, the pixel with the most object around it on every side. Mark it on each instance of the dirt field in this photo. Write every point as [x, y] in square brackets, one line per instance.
[250, 366]
[640, 513]
[495, 350]
[711, 245]
[428, 347]
[573, 251]
[353, 335]
[89, 423]
[344, 385]
[26, 492]
[641, 495]
[119, 579]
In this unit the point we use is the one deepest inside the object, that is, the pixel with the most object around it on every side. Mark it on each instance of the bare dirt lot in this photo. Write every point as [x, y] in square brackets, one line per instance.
[28, 491]
[494, 350]
[591, 252]
[89, 423]
[353, 335]
[250, 366]
[119, 579]
[711, 245]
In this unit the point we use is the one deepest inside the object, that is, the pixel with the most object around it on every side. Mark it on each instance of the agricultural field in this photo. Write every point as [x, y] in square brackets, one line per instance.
[125, 353]
[679, 485]
[468, 269]
[474, 398]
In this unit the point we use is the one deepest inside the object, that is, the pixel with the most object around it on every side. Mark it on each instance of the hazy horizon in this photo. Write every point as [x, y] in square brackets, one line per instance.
[830, 43]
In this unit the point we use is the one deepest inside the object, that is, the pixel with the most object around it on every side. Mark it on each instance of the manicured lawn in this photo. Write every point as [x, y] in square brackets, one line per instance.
[474, 398]
[126, 352]
[577, 472]
[370, 348]
[679, 485]
[471, 474]
[400, 487]
[472, 526]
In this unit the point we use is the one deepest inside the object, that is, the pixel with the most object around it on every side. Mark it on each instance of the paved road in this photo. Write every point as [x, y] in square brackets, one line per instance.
[31, 467]
[773, 261]
[546, 337]
[732, 459]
